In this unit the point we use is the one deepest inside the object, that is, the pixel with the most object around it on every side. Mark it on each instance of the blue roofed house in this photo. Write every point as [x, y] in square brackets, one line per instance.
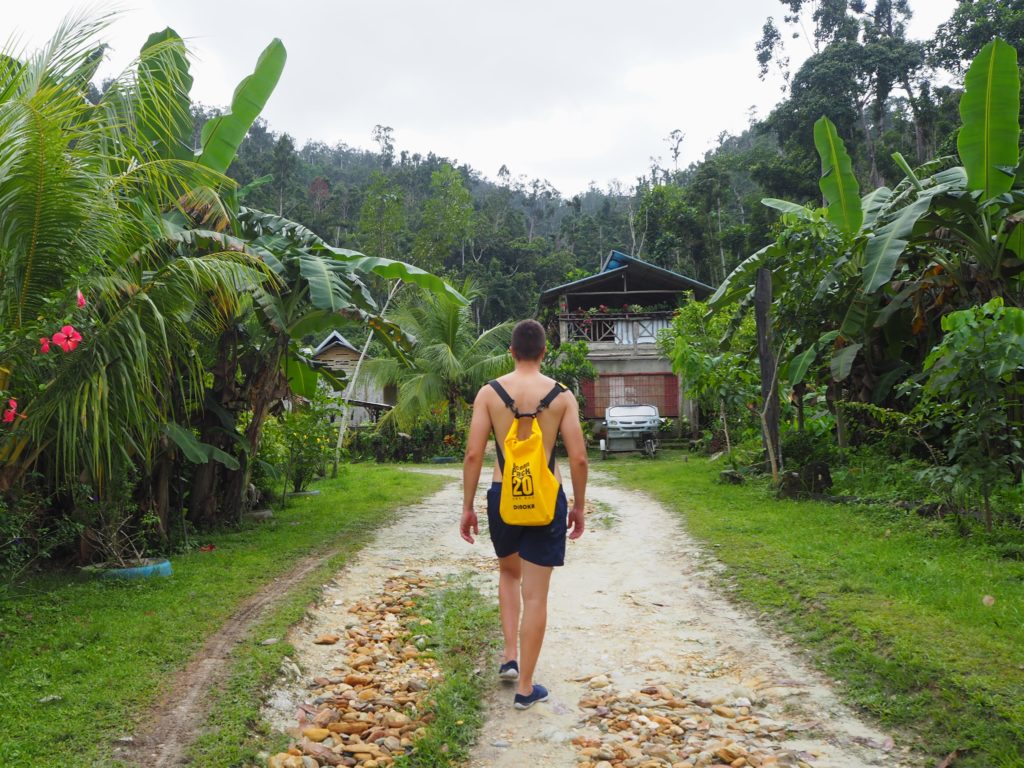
[619, 312]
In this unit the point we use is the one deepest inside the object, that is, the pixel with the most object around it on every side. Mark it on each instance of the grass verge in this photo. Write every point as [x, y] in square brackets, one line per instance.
[462, 635]
[105, 648]
[890, 604]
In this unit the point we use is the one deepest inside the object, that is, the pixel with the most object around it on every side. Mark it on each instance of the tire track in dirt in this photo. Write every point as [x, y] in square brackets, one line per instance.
[173, 725]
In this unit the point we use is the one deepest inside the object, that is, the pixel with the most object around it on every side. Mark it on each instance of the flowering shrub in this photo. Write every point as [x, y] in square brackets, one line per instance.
[297, 446]
[67, 338]
[307, 437]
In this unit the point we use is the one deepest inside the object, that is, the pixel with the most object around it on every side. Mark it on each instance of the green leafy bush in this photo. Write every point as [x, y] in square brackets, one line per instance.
[28, 535]
[973, 390]
[800, 448]
[871, 472]
[425, 439]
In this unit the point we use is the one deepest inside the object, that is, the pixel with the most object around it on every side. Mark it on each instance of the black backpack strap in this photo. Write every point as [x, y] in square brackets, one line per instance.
[549, 398]
[506, 398]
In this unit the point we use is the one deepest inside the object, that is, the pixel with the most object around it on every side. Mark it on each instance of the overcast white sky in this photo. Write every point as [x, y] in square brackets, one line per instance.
[572, 91]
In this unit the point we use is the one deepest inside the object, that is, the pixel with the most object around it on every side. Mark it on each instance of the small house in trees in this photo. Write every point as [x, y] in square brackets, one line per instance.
[619, 312]
[367, 400]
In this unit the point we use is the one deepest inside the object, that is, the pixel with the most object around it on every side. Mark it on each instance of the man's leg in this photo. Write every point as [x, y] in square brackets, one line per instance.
[510, 574]
[536, 580]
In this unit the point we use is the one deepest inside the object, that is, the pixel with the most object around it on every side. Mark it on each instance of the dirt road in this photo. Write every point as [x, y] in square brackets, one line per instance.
[637, 605]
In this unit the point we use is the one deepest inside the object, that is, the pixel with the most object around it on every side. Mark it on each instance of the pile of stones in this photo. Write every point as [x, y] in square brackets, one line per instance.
[659, 726]
[370, 709]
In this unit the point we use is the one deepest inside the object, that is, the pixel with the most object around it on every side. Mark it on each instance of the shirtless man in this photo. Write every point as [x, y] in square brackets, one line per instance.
[526, 554]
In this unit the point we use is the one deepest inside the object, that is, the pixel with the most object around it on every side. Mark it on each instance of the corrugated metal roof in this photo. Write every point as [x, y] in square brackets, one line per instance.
[618, 262]
[334, 337]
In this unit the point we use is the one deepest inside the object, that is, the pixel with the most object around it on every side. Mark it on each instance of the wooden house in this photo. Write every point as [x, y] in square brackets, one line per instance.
[367, 400]
[619, 312]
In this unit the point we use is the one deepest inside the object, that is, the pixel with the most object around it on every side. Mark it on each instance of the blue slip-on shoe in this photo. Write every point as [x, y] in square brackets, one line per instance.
[509, 670]
[539, 693]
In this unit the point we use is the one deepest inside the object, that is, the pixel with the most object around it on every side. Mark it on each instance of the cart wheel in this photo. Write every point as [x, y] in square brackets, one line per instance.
[649, 448]
[604, 455]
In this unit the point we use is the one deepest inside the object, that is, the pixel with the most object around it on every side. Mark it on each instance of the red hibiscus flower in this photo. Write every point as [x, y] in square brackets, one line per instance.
[44, 345]
[67, 338]
[11, 411]
[81, 300]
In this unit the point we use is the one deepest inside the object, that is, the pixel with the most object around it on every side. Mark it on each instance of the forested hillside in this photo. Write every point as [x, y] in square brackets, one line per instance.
[514, 236]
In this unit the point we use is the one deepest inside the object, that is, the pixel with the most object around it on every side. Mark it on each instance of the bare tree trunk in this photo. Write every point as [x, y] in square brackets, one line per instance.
[766, 356]
[837, 412]
[799, 391]
[203, 493]
[721, 248]
[161, 487]
[869, 142]
[920, 151]
[269, 386]
[725, 426]
[352, 382]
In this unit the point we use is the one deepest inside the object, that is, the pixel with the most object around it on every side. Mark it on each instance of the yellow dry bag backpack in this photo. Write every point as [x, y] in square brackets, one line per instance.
[529, 489]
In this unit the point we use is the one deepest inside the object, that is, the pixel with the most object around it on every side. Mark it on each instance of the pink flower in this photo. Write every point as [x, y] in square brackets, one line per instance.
[67, 338]
[11, 411]
[44, 345]
[81, 300]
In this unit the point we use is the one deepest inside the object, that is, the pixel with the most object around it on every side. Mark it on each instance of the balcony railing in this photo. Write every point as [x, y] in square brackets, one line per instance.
[627, 330]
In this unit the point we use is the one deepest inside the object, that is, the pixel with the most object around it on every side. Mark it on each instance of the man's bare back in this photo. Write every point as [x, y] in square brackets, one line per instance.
[527, 390]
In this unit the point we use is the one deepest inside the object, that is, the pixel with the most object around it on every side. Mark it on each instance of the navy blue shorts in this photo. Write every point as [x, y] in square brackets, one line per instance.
[537, 544]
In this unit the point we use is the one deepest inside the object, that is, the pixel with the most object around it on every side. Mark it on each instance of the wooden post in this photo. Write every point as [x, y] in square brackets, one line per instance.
[769, 370]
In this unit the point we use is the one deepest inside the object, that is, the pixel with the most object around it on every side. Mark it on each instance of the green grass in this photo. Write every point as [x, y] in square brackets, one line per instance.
[463, 637]
[106, 648]
[887, 602]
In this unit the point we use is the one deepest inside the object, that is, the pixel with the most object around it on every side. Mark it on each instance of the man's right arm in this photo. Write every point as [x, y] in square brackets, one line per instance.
[476, 442]
[576, 447]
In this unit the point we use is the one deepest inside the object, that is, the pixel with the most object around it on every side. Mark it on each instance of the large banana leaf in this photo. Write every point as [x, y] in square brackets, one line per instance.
[302, 378]
[872, 204]
[196, 451]
[798, 366]
[223, 134]
[989, 109]
[326, 290]
[800, 211]
[842, 361]
[396, 270]
[885, 248]
[740, 280]
[838, 182]
[855, 322]
[164, 108]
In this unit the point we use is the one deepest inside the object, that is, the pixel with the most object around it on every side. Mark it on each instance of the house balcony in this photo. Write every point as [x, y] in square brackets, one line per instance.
[616, 335]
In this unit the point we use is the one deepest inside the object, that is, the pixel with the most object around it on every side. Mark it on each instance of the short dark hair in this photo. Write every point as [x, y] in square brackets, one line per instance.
[528, 340]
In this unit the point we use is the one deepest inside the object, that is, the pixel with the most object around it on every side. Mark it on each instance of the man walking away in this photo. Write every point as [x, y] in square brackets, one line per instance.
[526, 554]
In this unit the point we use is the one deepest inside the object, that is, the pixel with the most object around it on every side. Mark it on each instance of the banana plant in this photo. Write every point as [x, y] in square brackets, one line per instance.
[948, 233]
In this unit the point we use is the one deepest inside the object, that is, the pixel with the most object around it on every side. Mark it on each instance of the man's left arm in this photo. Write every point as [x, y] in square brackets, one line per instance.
[476, 442]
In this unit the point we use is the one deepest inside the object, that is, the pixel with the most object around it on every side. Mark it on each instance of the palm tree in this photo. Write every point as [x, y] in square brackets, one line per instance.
[87, 190]
[449, 360]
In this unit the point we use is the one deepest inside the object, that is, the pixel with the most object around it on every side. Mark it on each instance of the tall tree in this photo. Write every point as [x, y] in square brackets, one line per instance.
[382, 217]
[447, 220]
[975, 23]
